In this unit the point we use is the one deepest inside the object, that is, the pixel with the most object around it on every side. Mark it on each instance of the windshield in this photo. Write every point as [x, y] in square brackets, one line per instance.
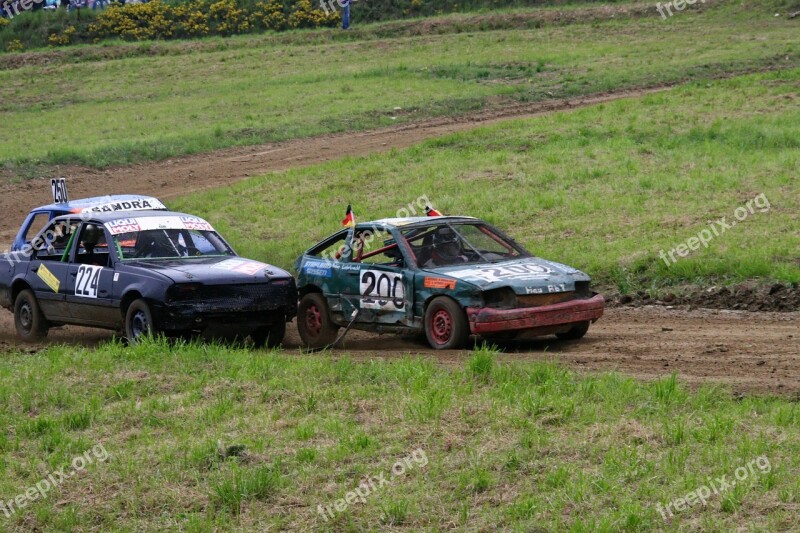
[169, 244]
[452, 244]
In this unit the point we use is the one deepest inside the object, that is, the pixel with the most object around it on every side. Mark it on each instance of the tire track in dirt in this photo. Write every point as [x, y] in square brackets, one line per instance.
[747, 352]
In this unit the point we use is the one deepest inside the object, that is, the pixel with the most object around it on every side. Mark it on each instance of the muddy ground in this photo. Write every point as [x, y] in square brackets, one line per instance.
[745, 351]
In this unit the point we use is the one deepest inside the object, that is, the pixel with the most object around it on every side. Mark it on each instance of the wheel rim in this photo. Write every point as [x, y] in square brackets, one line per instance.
[441, 326]
[139, 324]
[314, 320]
[26, 316]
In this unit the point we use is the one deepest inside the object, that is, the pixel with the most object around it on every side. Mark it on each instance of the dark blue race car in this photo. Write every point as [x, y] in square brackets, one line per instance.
[142, 272]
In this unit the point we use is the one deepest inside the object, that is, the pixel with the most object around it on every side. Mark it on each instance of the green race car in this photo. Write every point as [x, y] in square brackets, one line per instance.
[446, 276]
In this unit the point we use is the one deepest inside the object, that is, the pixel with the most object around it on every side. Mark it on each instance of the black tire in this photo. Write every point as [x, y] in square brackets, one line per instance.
[314, 321]
[446, 326]
[270, 336]
[577, 331]
[31, 324]
[138, 321]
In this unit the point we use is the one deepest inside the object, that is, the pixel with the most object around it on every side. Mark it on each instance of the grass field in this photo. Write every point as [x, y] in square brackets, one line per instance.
[203, 438]
[257, 89]
[604, 188]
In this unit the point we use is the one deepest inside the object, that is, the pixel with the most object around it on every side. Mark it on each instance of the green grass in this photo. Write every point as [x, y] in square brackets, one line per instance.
[516, 446]
[119, 111]
[604, 188]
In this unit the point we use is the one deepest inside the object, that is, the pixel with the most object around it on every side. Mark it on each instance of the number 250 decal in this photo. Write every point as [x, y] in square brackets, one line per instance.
[87, 281]
[380, 290]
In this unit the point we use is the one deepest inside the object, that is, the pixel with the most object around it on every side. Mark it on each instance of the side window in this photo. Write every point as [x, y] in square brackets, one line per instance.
[377, 247]
[336, 249]
[52, 243]
[37, 224]
[92, 246]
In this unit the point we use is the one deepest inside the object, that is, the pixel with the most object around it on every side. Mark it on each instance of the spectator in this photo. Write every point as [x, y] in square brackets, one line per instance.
[345, 14]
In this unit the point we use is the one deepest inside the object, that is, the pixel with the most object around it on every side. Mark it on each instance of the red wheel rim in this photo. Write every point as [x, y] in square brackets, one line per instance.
[441, 326]
[313, 320]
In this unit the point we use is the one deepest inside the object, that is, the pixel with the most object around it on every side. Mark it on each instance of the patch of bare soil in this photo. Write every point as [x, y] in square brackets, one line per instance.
[750, 296]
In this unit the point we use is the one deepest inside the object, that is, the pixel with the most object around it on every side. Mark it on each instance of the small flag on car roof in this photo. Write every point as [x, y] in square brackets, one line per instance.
[349, 217]
[431, 212]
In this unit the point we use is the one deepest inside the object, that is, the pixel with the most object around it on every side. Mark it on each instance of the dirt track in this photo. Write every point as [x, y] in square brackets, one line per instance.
[747, 351]
[177, 177]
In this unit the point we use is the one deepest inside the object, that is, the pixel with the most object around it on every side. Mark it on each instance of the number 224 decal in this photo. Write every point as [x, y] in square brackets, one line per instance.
[381, 290]
[87, 281]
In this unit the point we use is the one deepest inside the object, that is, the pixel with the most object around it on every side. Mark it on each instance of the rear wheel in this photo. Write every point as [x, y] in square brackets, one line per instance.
[577, 331]
[314, 321]
[270, 336]
[446, 324]
[138, 321]
[31, 324]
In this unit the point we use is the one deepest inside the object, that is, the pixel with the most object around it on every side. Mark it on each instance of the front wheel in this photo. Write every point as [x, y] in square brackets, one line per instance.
[29, 320]
[314, 321]
[138, 321]
[446, 324]
[577, 331]
[270, 336]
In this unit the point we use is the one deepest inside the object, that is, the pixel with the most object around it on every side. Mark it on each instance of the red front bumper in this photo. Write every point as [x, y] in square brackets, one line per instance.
[487, 320]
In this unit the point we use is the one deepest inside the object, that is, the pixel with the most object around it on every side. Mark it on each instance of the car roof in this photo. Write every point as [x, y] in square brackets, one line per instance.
[410, 222]
[108, 217]
[75, 206]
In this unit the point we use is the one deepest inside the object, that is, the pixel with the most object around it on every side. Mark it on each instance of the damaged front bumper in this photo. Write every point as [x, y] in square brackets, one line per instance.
[487, 320]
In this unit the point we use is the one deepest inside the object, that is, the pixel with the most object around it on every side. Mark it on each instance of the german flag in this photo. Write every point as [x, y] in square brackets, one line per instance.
[349, 217]
[431, 212]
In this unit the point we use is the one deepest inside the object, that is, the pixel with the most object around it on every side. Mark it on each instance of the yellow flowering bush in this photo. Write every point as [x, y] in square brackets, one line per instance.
[62, 39]
[192, 20]
[196, 18]
[304, 16]
[227, 18]
[15, 46]
[135, 22]
[4, 22]
[269, 15]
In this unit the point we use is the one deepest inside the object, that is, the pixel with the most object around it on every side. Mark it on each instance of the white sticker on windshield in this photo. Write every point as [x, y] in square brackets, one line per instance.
[126, 225]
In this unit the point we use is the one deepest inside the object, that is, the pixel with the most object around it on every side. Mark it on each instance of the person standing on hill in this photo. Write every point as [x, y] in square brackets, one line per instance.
[345, 14]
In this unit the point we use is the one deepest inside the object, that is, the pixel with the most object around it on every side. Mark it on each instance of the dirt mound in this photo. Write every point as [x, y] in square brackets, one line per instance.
[745, 297]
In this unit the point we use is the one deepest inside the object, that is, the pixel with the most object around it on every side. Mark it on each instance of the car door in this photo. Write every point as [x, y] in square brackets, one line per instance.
[48, 268]
[376, 282]
[90, 280]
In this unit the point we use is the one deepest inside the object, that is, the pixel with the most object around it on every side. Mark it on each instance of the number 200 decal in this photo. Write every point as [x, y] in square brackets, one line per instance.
[87, 281]
[380, 290]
